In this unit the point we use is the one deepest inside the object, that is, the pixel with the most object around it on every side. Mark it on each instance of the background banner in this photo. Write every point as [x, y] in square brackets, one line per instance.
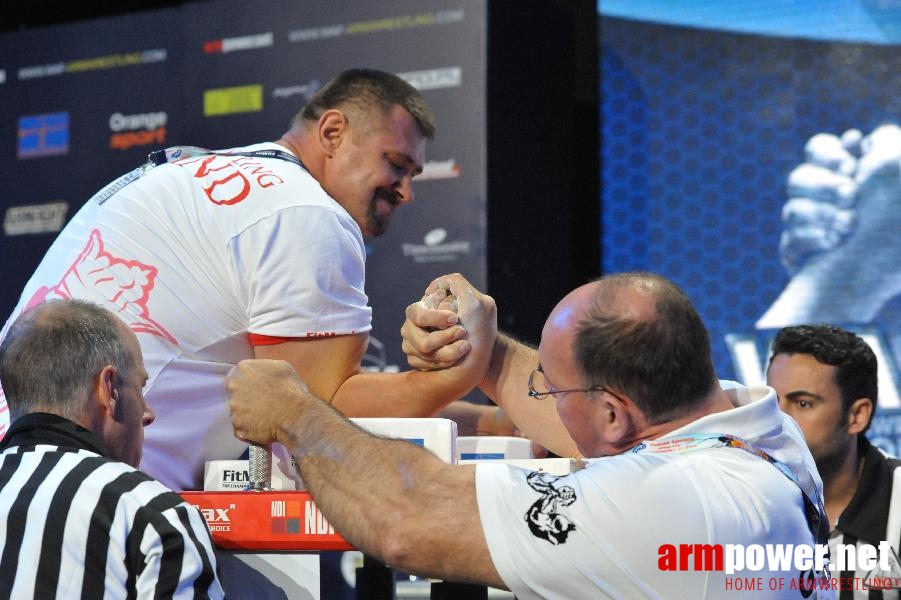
[708, 137]
[81, 104]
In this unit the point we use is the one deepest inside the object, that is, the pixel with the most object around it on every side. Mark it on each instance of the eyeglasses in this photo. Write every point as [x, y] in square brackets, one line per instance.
[538, 375]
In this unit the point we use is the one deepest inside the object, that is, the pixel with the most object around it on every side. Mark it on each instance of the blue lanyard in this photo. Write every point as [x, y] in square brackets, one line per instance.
[163, 156]
[813, 511]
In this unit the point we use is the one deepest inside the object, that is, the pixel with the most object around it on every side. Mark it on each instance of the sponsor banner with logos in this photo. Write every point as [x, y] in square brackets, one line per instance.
[266, 521]
[83, 105]
[35, 218]
[80, 104]
[249, 71]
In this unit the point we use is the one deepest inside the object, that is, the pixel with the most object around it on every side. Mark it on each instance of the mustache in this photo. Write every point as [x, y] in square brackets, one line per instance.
[389, 196]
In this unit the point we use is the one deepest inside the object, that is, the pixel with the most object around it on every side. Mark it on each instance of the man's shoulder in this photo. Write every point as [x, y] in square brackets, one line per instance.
[96, 472]
[119, 478]
[869, 512]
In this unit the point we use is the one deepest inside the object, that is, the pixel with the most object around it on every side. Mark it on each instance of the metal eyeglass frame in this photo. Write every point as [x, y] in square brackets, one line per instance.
[533, 393]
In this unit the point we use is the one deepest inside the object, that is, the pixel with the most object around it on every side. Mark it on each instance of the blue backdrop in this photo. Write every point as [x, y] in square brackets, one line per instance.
[705, 114]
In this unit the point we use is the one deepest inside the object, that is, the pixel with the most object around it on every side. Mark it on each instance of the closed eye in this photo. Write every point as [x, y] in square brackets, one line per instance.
[403, 165]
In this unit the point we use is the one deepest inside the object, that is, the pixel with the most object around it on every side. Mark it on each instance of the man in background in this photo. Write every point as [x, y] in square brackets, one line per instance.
[826, 380]
[77, 519]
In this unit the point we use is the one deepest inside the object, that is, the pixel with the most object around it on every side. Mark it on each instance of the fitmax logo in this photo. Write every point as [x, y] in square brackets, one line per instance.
[215, 515]
[235, 476]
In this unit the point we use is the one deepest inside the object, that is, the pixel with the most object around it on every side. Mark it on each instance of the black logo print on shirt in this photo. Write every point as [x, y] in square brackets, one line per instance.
[542, 517]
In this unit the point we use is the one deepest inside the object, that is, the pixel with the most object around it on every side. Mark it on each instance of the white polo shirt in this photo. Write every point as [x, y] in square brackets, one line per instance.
[599, 532]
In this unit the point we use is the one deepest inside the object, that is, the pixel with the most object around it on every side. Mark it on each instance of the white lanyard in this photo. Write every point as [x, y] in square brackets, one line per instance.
[163, 156]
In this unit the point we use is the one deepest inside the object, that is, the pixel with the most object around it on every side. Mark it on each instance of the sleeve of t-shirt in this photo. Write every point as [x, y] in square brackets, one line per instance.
[300, 273]
[570, 536]
[530, 548]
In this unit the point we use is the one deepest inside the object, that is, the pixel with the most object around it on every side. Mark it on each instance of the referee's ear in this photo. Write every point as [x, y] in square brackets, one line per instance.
[106, 392]
[101, 406]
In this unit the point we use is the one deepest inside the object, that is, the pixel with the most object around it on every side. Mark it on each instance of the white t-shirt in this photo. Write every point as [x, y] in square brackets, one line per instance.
[600, 532]
[194, 256]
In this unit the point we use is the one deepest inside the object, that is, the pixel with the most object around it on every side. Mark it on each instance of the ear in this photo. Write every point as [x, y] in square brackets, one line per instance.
[333, 127]
[859, 415]
[619, 418]
[106, 393]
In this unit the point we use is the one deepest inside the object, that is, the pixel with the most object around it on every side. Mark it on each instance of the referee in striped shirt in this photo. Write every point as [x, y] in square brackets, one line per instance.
[77, 519]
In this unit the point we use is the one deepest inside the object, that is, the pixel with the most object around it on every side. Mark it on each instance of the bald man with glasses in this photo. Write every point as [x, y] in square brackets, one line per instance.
[623, 374]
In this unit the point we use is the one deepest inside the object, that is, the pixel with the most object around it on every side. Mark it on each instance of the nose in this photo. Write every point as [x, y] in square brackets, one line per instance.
[404, 190]
[149, 417]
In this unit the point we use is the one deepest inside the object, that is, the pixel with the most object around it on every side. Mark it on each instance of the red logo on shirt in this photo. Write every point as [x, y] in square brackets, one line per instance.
[122, 286]
[227, 180]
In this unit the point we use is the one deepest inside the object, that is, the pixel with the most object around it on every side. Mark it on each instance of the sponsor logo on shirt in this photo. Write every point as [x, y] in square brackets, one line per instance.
[228, 180]
[546, 518]
[121, 285]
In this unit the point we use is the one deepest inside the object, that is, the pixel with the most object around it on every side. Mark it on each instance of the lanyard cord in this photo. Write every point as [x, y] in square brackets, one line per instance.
[163, 156]
[814, 512]
[160, 157]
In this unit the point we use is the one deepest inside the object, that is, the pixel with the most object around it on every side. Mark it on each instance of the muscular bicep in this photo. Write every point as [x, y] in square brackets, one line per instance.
[323, 363]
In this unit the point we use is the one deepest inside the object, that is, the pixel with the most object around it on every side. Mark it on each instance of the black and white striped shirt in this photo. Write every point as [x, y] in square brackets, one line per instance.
[872, 516]
[76, 524]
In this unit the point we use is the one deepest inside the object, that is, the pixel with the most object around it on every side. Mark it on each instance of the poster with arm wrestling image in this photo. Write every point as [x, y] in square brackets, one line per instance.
[753, 155]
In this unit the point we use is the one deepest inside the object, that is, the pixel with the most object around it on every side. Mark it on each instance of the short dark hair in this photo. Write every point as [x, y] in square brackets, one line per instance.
[854, 361]
[52, 353]
[368, 88]
[663, 362]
